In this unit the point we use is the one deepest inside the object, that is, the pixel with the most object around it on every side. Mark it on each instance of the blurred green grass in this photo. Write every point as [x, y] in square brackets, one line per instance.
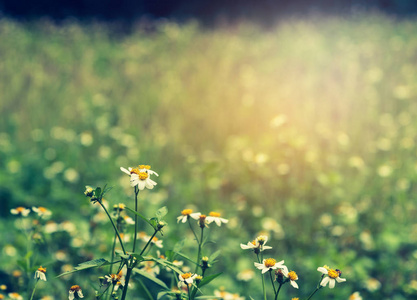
[305, 131]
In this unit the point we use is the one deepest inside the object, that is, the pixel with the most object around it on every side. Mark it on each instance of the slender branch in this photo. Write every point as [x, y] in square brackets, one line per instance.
[34, 289]
[136, 218]
[276, 295]
[199, 250]
[195, 235]
[150, 240]
[317, 288]
[263, 279]
[272, 282]
[115, 229]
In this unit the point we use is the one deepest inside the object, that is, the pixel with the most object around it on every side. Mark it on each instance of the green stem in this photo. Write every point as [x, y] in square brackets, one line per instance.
[199, 250]
[188, 289]
[272, 282]
[34, 289]
[114, 227]
[195, 235]
[263, 279]
[112, 253]
[148, 293]
[317, 288]
[132, 265]
[279, 288]
[136, 219]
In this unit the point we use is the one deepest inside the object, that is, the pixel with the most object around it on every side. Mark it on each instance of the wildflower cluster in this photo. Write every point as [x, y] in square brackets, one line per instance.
[280, 274]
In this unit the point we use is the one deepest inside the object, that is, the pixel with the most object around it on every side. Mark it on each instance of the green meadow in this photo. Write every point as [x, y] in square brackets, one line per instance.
[305, 132]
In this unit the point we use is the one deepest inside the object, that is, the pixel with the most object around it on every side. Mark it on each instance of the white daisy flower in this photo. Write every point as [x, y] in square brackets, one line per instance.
[140, 176]
[15, 296]
[292, 276]
[355, 296]
[332, 276]
[129, 220]
[215, 217]
[42, 212]
[118, 278]
[20, 211]
[157, 242]
[186, 278]
[271, 264]
[257, 245]
[40, 273]
[151, 268]
[75, 291]
[187, 213]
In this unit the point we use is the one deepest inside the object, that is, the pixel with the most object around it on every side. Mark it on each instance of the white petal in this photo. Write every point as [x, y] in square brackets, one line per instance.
[124, 170]
[266, 247]
[209, 219]
[322, 270]
[332, 282]
[195, 216]
[294, 284]
[265, 270]
[184, 219]
[218, 222]
[243, 246]
[42, 276]
[141, 185]
[338, 279]
[224, 220]
[71, 295]
[148, 184]
[325, 281]
[259, 266]
[180, 218]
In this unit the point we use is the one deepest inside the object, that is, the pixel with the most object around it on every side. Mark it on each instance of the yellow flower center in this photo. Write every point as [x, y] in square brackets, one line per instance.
[269, 262]
[214, 214]
[186, 212]
[254, 242]
[154, 239]
[43, 270]
[75, 288]
[143, 175]
[20, 209]
[42, 209]
[292, 275]
[333, 273]
[186, 275]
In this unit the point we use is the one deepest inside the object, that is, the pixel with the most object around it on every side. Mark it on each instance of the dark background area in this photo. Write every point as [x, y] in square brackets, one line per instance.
[204, 10]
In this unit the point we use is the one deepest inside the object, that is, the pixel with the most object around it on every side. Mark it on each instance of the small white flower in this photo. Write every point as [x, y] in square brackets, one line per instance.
[75, 290]
[40, 273]
[292, 276]
[129, 220]
[187, 213]
[140, 176]
[42, 212]
[186, 278]
[151, 268]
[118, 278]
[271, 264]
[332, 276]
[157, 242]
[215, 216]
[355, 296]
[20, 211]
[257, 245]
[15, 296]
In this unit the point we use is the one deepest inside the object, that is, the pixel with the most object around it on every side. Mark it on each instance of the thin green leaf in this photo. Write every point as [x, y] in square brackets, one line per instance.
[151, 278]
[140, 216]
[208, 279]
[214, 256]
[186, 257]
[161, 213]
[208, 297]
[88, 265]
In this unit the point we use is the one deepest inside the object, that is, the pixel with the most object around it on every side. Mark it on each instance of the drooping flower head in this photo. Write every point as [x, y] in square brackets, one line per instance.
[75, 291]
[215, 217]
[40, 273]
[140, 176]
[118, 278]
[257, 245]
[202, 221]
[332, 275]
[186, 214]
[270, 264]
